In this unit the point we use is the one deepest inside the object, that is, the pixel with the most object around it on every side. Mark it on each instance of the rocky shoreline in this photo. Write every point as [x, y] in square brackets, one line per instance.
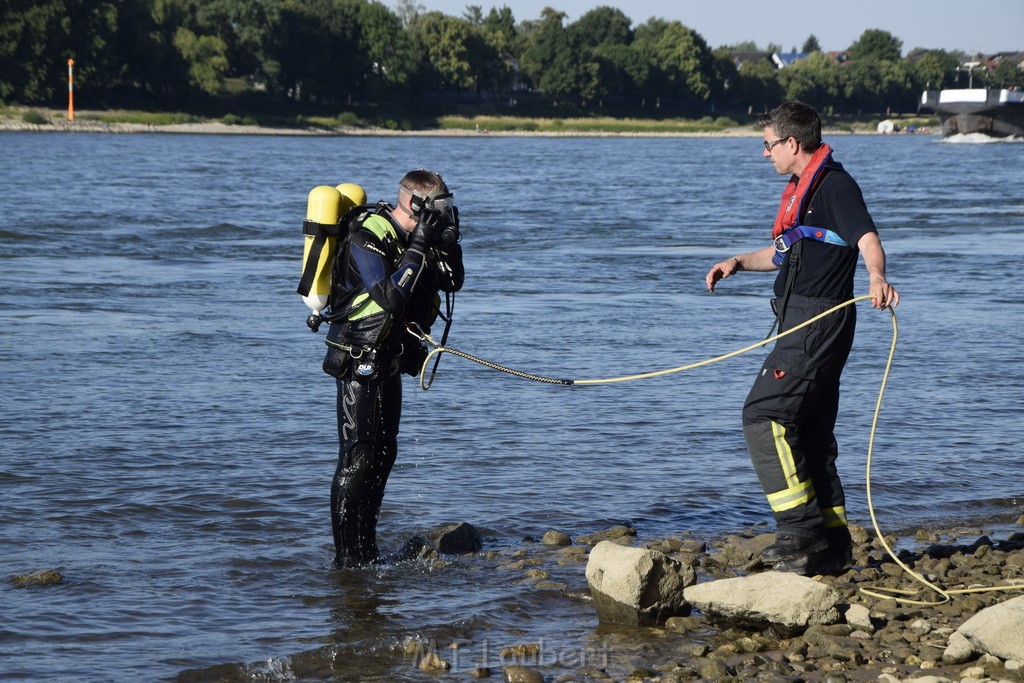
[59, 124]
[217, 128]
[708, 610]
[856, 636]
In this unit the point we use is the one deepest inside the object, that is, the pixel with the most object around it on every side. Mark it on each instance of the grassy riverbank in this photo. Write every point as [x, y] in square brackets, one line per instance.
[120, 120]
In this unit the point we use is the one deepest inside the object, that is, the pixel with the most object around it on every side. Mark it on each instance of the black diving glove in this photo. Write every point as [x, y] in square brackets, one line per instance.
[428, 230]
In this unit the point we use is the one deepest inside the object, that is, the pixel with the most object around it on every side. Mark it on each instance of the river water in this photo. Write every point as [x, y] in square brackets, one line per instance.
[167, 436]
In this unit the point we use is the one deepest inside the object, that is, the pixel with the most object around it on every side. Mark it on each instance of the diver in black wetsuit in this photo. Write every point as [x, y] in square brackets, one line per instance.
[387, 275]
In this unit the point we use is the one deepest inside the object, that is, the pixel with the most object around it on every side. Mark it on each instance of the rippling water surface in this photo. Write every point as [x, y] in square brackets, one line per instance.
[167, 437]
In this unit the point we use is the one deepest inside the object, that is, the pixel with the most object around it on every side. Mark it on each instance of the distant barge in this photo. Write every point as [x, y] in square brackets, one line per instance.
[993, 112]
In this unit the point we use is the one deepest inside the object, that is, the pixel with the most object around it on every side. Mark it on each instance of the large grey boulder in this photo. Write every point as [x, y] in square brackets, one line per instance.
[770, 597]
[636, 586]
[997, 630]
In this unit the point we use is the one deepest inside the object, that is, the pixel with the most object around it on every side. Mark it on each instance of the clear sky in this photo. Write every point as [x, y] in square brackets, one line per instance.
[987, 27]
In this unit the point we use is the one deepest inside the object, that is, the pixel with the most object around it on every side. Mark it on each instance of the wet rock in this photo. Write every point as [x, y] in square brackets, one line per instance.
[859, 617]
[637, 587]
[611, 533]
[770, 597]
[525, 651]
[480, 672]
[42, 577]
[456, 539]
[556, 538]
[958, 650]
[711, 669]
[416, 548]
[683, 624]
[522, 674]
[997, 630]
[738, 551]
[432, 662]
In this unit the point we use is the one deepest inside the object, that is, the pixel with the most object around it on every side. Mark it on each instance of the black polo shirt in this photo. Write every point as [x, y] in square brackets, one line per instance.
[826, 270]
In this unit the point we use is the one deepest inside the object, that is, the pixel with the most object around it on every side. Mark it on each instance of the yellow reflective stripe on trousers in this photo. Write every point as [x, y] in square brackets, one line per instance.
[834, 517]
[796, 492]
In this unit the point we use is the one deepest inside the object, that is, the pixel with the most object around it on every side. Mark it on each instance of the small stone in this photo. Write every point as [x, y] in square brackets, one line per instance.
[859, 617]
[921, 627]
[556, 538]
[682, 624]
[712, 669]
[620, 531]
[522, 674]
[987, 661]
[480, 672]
[958, 650]
[521, 651]
[432, 662]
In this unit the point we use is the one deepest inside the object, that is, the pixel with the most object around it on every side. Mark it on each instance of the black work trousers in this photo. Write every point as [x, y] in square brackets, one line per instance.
[369, 413]
[789, 420]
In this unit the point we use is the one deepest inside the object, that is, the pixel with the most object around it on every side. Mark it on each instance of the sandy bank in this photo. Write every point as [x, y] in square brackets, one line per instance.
[216, 128]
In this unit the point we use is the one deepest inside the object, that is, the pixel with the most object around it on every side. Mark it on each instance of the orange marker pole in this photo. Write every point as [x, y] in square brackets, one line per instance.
[71, 91]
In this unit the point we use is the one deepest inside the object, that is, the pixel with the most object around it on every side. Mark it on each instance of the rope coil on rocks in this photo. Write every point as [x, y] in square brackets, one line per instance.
[900, 595]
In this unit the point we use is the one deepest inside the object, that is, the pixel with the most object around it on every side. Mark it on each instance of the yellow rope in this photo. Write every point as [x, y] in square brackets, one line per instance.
[892, 593]
[880, 592]
[628, 378]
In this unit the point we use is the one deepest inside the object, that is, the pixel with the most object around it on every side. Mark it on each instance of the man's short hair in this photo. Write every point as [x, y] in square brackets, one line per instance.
[794, 119]
[421, 182]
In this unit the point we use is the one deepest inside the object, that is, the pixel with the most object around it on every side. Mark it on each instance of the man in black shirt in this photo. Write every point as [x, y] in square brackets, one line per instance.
[789, 416]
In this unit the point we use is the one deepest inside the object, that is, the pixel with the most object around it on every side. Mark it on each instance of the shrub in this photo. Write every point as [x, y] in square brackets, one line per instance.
[35, 118]
[347, 118]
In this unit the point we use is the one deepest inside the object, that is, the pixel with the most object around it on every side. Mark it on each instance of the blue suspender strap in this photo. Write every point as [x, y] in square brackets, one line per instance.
[787, 239]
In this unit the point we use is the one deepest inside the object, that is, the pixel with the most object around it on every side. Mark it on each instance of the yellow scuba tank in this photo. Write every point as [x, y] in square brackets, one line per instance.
[324, 208]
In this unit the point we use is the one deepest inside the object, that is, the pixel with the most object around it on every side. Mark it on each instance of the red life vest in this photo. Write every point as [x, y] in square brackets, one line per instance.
[795, 200]
[799, 190]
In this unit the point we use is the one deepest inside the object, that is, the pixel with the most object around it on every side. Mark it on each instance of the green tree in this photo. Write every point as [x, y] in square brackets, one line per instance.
[248, 29]
[446, 44]
[934, 69]
[758, 85]
[38, 38]
[876, 44]
[876, 86]
[206, 57]
[474, 15]
[408, 11]
[1006, 74]
[811, 44]
[680, 59]
[815, 80]
[548, 59]
[602, 26]
[744, 46]
[601, 41]
[319, 50]
[390, 60]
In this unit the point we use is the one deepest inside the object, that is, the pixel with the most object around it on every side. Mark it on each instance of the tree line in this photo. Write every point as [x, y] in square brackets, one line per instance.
[341, 53]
